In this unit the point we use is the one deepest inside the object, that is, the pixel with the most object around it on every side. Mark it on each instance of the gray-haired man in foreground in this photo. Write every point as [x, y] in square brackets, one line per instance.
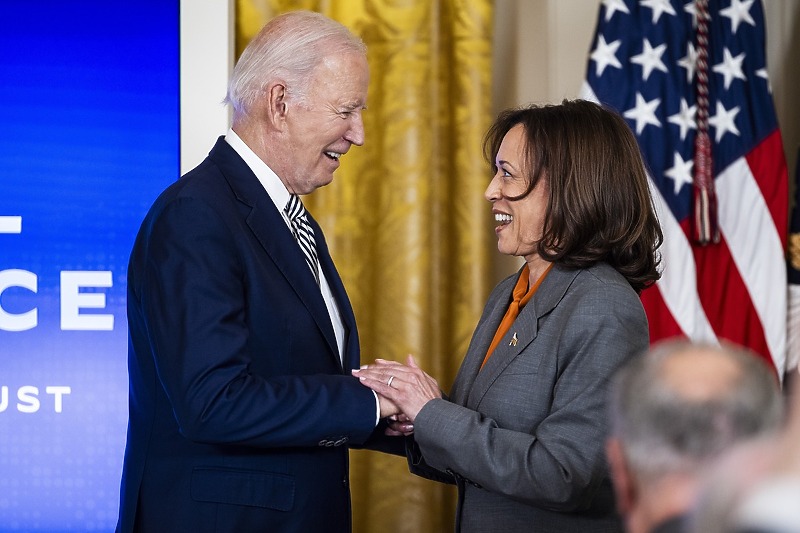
[673, 412]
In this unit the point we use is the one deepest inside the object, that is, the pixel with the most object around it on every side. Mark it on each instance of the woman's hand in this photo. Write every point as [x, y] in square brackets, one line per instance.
[406, 386]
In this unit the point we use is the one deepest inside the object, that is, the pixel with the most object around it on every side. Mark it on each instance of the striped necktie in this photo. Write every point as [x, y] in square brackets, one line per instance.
[303, 232]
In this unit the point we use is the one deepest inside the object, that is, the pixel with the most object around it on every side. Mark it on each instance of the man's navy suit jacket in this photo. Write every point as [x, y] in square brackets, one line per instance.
[241, 412]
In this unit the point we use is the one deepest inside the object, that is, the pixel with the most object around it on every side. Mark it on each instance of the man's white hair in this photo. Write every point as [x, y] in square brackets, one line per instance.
[288, 49]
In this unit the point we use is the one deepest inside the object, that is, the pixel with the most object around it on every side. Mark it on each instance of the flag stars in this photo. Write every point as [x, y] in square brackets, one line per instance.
[684, 119]
[604, 55]
[762, 73]
[612, 6]
[738, 12]
[644, 113]
[689, 62]
[659, 7]
[691, 8]
[680, 172]
[730, 67]
[650, 58]
[724, 121]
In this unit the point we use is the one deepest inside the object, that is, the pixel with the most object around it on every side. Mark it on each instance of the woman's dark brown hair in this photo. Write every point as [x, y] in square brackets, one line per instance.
[599, 208]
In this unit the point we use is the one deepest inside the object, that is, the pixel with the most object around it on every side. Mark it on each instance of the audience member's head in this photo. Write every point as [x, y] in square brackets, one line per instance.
[755, 487]
[673, 411]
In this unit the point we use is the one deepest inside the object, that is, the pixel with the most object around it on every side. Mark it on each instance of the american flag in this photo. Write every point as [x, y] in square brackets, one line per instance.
[644, 63]
[793, 256]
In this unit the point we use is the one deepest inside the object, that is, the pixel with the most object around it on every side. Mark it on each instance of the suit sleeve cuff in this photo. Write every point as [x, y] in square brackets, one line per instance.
[377, 408]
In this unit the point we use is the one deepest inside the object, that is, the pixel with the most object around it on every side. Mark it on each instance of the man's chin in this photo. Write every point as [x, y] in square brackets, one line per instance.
[317, 183]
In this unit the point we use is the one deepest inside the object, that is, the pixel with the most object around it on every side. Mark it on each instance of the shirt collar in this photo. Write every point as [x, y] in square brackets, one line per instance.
[269, 180]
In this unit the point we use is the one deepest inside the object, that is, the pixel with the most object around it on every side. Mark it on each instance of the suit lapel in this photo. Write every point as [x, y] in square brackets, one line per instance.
[522, 332]
[484, 333]
[351, 344]
[271, 231]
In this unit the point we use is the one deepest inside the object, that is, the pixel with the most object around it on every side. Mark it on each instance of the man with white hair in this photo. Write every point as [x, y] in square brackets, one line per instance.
[242, 337]
[673, 411]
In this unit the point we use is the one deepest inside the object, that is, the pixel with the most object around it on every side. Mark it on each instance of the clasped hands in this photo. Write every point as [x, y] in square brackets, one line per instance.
[402, 391]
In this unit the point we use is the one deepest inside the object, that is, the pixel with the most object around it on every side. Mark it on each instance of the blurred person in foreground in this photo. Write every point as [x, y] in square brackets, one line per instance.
[521, 433]
[242, 337]
[673, 413]
[755, 487]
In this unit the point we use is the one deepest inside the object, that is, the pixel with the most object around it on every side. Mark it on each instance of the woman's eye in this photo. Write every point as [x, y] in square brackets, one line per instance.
[502, 172]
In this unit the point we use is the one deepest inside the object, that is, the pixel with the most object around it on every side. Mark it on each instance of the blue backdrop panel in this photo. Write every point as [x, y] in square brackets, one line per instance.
[89, 135]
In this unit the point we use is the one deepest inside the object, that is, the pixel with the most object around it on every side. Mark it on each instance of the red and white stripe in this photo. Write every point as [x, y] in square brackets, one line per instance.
[734, 290]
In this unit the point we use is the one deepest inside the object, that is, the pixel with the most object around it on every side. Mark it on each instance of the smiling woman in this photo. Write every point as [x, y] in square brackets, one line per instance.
[585, 156]
[519, 209]
[521, 433]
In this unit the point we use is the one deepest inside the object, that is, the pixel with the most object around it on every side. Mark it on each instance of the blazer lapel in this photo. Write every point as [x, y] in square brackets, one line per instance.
[522, 332]
[271, 231]
[484, 333]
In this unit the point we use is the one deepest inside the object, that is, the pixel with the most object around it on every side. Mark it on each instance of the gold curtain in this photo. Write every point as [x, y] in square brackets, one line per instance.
[405, 218]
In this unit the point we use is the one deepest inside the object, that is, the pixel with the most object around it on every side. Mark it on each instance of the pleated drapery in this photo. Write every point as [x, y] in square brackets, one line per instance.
[405, 218]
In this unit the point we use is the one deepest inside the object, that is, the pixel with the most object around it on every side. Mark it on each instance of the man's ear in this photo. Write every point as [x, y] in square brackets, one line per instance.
[276, 107]
[621, 476]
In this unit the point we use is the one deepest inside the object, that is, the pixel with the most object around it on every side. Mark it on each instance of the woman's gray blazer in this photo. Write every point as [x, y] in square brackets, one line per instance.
[524, 438]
